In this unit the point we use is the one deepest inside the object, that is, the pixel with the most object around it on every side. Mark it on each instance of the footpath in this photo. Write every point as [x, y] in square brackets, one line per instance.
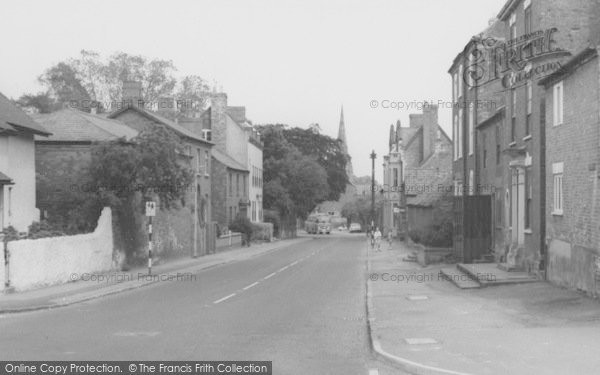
[426, 325]
[91, 286]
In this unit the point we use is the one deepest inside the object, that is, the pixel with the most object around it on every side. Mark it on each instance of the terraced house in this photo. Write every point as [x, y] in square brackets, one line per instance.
[500, 154]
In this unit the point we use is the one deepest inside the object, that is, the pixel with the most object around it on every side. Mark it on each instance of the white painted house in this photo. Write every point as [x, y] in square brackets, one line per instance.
[17, 166]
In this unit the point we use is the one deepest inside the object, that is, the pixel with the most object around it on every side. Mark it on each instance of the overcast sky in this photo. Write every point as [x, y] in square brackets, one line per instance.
[292, 62]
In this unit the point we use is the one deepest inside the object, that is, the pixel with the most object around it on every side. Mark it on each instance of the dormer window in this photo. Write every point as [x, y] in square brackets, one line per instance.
[207, 134]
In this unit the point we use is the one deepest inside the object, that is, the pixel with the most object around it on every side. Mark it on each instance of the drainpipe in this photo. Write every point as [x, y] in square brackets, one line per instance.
[4, 239]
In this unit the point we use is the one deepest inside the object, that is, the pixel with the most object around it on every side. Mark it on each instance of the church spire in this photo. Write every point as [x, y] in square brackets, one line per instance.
[344, 144]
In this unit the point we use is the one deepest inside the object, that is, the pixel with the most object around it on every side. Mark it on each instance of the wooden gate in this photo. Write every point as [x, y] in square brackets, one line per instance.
[472, 227]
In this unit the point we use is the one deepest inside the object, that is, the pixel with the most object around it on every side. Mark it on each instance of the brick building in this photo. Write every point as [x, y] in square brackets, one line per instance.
[179, 228]
[232, 179]
[234, 137]
[62, 159]
[530, 40]
[572, 172]
[418, 166]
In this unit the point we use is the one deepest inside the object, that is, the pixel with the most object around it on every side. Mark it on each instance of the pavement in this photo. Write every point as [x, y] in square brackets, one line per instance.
[90, 286]
[301, 307]
[427, 325]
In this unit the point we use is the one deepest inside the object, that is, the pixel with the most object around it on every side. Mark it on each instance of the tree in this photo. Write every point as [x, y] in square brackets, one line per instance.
[327, 152]
[90, 80]
[41, 102]
[294, 183]
[192, 95]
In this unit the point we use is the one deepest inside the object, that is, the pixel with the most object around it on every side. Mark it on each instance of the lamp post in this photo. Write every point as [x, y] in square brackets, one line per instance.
[373, 157]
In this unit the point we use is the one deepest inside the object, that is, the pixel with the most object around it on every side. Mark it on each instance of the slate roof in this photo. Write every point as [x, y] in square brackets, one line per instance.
[5, 180]
[13, 119]
[73, 125]
[179, 129]
[228, 161]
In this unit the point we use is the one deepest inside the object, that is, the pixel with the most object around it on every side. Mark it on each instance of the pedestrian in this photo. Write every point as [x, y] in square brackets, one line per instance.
[377, 238]
[390, 239]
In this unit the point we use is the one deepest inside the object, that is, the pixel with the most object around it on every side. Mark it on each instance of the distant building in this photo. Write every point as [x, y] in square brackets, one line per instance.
[17, 166]
[237, 141]
[417, 174]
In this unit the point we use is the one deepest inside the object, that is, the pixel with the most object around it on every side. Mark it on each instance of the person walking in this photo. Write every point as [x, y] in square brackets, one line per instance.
[389, 239]
[377, 238]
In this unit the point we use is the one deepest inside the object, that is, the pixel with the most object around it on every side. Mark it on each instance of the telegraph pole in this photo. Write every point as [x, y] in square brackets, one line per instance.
[373, 157]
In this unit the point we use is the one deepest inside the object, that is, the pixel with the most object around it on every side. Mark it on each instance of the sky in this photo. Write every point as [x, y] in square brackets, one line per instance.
[290, 62]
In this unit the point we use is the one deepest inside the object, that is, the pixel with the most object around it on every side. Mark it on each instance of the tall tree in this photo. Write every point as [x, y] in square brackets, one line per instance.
[327, 152]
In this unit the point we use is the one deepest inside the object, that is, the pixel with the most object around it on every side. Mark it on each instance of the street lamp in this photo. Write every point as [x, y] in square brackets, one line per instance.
[373, 157]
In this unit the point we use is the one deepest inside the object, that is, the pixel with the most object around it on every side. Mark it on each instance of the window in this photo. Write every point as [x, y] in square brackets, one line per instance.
[237, 185]
[528, 196]
[557, 173]
[206, 161]
[471, 69]
[460, 132]
[529, 107]
[198, 160]
[471, 128]
[512, 24]
[230, 184]
[207, 134]
[527, 16]
[513, 111]
[395, 177]
[471, 187]
[460, 78]
[245, 185]
[498, 153]
[557, 108]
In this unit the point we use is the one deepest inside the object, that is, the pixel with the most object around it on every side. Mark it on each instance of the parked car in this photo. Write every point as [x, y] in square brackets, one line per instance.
[355, 227]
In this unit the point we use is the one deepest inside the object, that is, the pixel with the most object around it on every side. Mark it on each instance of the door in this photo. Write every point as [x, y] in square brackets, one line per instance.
[517, 206]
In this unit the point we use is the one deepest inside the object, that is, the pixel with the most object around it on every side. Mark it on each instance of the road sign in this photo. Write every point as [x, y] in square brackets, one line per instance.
[150, 208]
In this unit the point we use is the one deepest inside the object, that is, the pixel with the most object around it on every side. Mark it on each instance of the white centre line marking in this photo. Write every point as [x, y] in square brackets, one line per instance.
[283, 268]
[250, 286]
[373, 371]
[224, 298]
[293, 263]
[269, 276]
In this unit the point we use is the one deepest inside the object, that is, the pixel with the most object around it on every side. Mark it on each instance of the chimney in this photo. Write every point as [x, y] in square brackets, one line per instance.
[415, 120]
[218, 120]
[238, 114]
[132, 93]
[430, 127]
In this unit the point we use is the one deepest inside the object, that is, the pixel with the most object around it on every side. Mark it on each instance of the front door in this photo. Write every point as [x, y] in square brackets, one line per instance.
[518, 206]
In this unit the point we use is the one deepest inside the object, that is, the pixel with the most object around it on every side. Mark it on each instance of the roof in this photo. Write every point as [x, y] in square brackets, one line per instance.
[228, 161]
[407, 134]
[507, 8]
[569, 66]
[13, 119]
[5, 180]
[73, 125]
[179, 129]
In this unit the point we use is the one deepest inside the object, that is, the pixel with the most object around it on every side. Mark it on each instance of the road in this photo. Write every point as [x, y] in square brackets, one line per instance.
[302, 307]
